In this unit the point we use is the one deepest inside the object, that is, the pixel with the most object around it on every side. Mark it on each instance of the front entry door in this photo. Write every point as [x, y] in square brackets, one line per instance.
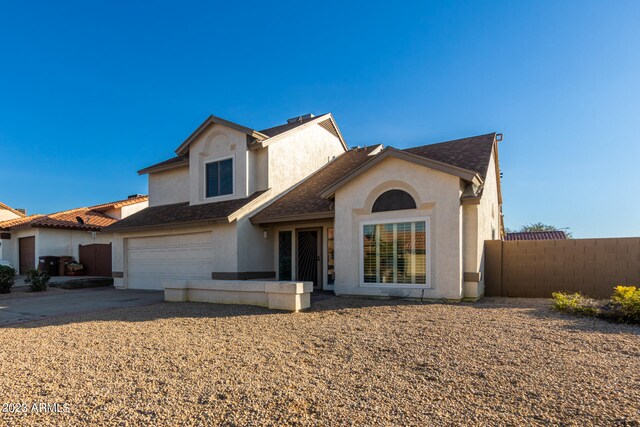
[309, 265]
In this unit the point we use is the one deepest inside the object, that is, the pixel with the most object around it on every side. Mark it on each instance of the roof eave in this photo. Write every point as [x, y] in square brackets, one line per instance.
[465, 174]
[292, 218]
[161, 168]
[184, 147]
[218, 220]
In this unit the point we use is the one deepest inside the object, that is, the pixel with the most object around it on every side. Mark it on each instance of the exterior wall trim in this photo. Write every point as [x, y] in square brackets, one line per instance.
[243, 275]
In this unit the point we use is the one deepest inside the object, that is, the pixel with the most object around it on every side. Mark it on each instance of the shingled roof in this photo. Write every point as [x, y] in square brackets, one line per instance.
[304, 200]
[277, 130]
[467, 157]
[92, 217]
[471, 153]
[182, 213]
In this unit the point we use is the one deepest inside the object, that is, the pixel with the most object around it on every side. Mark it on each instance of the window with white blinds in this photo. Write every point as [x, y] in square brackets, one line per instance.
[395, 253]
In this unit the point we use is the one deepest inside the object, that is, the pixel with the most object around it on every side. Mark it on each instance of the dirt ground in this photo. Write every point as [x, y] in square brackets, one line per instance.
[345, 362]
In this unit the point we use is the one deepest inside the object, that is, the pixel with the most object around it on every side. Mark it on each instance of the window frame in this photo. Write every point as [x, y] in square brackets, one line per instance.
[233, 178]
[428, 246]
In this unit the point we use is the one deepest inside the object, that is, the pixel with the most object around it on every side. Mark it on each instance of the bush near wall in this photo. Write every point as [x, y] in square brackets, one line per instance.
[37, 280]
[623, 306]
[7, 275]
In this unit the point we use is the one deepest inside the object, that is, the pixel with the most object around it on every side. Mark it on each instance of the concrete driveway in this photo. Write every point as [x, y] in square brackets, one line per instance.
[18, 310]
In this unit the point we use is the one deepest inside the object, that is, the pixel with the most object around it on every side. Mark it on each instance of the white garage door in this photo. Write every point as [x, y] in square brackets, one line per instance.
[150, 260]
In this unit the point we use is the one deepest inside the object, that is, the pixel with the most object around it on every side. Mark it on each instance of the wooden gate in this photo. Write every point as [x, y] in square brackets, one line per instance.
[96, 259]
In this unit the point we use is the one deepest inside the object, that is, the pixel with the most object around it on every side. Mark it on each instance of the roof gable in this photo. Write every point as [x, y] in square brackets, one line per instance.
[465, 174]
[325, 121]
[210, 121]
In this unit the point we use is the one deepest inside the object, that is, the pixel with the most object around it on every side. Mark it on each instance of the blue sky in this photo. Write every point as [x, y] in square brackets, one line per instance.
[90, 92]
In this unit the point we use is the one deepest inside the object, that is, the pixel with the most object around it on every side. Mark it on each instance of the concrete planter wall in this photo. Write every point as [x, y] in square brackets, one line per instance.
[289, 296]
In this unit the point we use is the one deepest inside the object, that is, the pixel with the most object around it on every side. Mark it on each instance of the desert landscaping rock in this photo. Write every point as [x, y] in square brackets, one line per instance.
[344, 362]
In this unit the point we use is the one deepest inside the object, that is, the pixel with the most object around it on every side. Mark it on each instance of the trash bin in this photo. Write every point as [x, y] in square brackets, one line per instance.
[64, 260]
[49, 264]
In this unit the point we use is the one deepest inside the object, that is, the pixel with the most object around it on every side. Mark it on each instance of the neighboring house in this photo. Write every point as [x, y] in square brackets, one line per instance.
[536, 235]
[294, 203]
[7, 212]
[27, 238]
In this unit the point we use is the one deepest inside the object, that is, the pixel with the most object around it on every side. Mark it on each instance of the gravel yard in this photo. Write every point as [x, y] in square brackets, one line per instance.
[345, 362]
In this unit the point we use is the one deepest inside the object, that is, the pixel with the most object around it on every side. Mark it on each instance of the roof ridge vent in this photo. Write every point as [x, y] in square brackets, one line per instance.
[300, 118]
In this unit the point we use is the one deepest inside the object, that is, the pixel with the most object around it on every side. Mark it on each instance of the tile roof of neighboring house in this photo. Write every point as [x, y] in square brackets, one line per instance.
[304, 200]
[536, 235]
[471, 153]
[182, 213]
[277, 130]
[6, 225]
[92, 217]
[10, 209]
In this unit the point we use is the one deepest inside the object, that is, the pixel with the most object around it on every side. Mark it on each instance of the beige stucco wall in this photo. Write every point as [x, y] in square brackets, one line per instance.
[168, 187]
[6, 215]
[437, 197]
[217, 143]
[299, 155]
[489, 206]
[483, 218]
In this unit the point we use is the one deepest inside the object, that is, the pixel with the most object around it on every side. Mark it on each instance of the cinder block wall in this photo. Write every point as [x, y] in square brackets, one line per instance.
[537, 268]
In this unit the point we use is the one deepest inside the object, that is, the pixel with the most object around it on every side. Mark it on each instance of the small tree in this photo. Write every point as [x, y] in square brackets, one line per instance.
[7, 275]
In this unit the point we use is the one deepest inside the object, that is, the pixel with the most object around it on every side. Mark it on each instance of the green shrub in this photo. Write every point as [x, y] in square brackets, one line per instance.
[574, 303]
[625, 303]
[38, 280]
[7, 275]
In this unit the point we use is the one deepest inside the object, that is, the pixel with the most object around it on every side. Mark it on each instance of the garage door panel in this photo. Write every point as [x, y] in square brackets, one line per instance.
[151, 260]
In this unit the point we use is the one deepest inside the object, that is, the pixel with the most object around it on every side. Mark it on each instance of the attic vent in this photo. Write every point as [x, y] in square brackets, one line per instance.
[300, 118]
[328, 125]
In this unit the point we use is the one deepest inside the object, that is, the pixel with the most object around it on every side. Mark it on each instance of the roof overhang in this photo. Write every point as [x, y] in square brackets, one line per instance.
[166, 167]
[292, 218]
[390, 152]
[210, 121]
[261, 143]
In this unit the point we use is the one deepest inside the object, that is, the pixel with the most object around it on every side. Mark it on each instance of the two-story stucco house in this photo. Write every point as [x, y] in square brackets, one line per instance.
[292, 202]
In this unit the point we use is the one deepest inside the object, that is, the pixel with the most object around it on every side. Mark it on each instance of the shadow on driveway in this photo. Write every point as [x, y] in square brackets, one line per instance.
[19, 310]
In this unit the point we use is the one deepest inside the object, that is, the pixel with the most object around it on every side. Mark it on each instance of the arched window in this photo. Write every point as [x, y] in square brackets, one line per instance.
[393, 200]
